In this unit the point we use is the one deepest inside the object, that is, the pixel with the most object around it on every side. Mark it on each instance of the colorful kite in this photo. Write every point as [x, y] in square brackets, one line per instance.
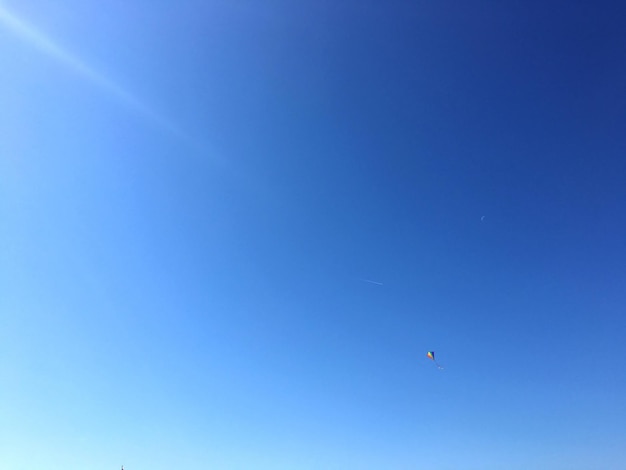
[431, 355]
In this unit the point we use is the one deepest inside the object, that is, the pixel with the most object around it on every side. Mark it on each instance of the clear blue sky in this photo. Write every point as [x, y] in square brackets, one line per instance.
[195, 194]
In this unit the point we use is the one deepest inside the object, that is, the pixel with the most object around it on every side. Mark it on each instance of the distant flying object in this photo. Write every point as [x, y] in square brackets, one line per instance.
[482, 218]
[372, 282]
[431, 355]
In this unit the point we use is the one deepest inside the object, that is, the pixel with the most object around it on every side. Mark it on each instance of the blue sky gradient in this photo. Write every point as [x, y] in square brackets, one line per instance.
[194, 196]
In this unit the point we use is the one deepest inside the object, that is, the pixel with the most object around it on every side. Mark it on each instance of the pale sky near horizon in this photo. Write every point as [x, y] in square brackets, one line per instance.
[231, 230]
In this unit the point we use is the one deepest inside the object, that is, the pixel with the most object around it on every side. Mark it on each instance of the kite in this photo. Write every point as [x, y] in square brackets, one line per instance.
[431, 355]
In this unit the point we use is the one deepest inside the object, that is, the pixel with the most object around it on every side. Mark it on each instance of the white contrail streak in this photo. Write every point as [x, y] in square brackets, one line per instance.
[372, 282]
[32, 36]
